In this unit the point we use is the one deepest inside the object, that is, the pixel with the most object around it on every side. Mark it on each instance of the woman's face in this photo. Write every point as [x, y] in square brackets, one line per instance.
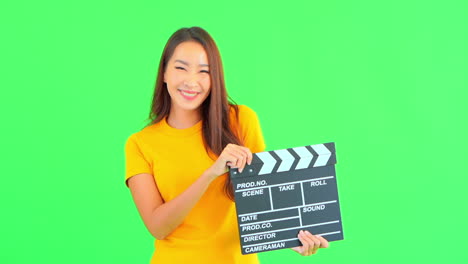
[187, 76]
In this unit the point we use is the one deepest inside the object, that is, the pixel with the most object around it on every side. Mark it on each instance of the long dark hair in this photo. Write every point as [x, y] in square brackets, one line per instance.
[217, 129]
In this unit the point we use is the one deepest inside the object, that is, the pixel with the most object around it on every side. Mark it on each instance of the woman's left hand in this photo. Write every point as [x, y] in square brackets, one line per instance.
[310, 243]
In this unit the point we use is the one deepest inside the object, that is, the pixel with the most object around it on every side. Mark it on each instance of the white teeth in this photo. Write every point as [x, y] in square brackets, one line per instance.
[188, 94]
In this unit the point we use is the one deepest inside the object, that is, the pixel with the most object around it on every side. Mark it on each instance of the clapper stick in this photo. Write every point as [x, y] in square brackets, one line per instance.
[284, 191]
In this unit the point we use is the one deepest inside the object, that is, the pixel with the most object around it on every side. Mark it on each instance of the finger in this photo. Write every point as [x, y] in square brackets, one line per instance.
[249, 154]
[241, 162]
[310, 241]
[305, 244]
[242, 152]
[314, 240]
[230, 160]
[233, 158]
[241, 158]
[323, 241]
[246, 152]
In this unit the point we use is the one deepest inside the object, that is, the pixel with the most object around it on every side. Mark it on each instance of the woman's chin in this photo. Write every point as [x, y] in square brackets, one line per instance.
[188, 106]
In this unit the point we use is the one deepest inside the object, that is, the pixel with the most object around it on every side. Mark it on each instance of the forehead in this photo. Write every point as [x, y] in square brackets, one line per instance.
[190, 51]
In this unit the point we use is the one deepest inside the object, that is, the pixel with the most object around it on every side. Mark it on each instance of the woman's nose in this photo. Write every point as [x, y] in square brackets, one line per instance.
[191, 83]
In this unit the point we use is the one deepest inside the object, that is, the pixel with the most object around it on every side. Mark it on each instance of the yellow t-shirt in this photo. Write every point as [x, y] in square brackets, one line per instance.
[176, 158]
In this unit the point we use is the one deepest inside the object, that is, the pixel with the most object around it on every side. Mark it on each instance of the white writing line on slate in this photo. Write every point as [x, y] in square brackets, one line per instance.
[302, 193]
[284, 229]
[287, 208]
[271, 200]
[300, 218]
[274, 220]
[277, 241]
[273, 185]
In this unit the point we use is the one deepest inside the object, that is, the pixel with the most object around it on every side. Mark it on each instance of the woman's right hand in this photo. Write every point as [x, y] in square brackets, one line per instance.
[232, 155]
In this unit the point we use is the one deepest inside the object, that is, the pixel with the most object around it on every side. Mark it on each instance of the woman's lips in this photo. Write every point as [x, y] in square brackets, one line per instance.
[188, 95]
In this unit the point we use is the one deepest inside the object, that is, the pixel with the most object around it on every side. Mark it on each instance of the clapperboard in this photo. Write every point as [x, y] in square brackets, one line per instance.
[284, 191]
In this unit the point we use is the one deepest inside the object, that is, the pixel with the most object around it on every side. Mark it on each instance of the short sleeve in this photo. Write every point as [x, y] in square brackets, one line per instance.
[251, 129]
[135, 161]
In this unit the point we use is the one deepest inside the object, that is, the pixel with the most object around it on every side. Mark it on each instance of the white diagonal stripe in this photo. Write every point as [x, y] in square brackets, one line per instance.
[306, 157]
[286, 160]
[323, 155]
[268, 162]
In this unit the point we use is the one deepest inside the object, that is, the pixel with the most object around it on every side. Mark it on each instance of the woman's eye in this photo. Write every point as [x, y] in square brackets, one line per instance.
[180, 68]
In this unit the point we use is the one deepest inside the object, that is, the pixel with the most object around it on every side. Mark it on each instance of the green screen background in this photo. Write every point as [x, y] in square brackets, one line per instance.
[385, 80]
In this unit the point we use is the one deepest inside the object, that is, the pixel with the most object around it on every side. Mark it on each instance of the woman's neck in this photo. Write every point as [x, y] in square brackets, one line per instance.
[181, 119]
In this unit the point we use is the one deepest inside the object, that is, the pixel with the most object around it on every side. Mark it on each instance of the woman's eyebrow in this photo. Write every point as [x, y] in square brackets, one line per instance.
[186, 63]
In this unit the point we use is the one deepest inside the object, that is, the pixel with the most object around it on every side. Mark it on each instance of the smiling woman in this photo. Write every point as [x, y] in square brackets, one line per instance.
[187, 78]
[190, 88]
[176, 167]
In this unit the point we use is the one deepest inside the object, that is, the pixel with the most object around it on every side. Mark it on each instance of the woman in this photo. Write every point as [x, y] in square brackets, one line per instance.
[176, 167]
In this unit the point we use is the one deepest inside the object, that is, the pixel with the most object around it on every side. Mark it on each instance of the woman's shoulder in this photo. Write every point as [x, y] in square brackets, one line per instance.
[144, 134]
[246, 117]
[249, 129]
[245, 112]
